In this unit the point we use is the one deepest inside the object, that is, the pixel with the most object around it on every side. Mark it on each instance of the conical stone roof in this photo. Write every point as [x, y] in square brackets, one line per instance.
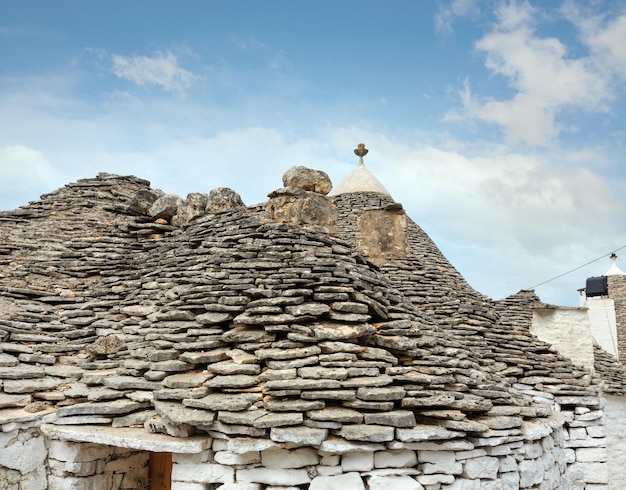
[231, 323]
[359, 180]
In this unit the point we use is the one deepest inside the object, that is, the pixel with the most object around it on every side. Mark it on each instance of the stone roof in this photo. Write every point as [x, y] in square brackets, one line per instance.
[118, 310]
[498, 331]
[359, 180]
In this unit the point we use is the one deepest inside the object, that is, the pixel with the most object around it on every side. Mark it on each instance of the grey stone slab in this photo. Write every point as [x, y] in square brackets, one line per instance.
[423, 432]
[130, 383]
[21, 371]
[283, 354]
[115, 407]
[295, 405]
[387, 393]
[226, 402]
[337, 414]
[186, 380]
[230, 367]
[177, 413]
[7, 360]
[367, 433]
[204, 357]
[14, 401]
[30, 385]
[278, 420]
[397, 418]
[128, 438]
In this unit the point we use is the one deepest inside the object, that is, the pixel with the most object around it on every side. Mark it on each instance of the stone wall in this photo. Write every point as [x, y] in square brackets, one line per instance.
[567, 330]
[30, 461]
[532, 456]
[615, 424]
[602, 321]
[586, 448]
[84, 466]
[617, 292]
[23, 455]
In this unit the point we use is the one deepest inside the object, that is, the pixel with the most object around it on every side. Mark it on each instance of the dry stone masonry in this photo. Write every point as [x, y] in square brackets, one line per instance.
[200, 344]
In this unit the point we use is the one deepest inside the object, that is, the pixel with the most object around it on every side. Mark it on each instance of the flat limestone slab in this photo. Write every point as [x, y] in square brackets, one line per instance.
[134, 438]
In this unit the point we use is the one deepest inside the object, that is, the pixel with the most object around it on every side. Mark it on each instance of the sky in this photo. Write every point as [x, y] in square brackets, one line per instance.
[499, 125]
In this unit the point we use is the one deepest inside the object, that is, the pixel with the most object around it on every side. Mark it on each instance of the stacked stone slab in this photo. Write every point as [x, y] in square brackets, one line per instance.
[278, 354]
[500, 332]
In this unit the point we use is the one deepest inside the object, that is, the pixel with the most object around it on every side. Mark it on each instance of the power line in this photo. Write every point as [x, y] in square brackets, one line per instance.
[577, 268]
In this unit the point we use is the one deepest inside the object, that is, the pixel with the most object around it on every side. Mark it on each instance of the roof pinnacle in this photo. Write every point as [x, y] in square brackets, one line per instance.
[361, 151]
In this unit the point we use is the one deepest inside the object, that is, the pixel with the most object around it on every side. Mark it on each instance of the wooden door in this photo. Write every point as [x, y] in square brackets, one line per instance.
[160, 471]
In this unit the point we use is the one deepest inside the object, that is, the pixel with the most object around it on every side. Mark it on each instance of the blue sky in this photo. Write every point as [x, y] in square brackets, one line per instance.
[498, 125]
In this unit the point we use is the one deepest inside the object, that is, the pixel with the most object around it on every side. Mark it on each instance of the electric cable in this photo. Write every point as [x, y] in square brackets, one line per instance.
[577, 268]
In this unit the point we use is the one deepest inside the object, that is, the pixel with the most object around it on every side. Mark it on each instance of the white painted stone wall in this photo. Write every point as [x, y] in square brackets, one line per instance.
[532, 456]
[602, 323]
[615, 423]
[586, 448]
[85, 466]
[568, 330]
[23, 455]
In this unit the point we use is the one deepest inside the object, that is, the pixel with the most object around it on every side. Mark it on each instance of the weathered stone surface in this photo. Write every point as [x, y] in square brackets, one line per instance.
[308, 209]
[298, 435]
[129, 383]
[165, 207]
[281, 354]
[176, 413]
[244, 445]
[30, 385]
[307, 179]
[369, 433]
[108, 344]
[285, 458]
[294, 405]
[124, 437]
[21, 371]
[426, 433]
[278, 420]
[115, 407]
[10, 401]
[482, 467]
[223, 199]
[25, 454]
[397, 482]
[191, 208]
[269, 476]
[186, 380]
[347, 481]
[7, 360]
[381, 394]
[227, 402]
[337, 414]
[398, 418]
[144, 198]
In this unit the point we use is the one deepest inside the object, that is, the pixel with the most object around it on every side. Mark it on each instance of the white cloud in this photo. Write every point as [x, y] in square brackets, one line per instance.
[607, 39]
[449, 11]
[24, 170]
[162, 69]
[545, 79]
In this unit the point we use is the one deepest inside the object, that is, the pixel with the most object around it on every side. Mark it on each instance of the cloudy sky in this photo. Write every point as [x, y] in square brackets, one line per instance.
[499, 125]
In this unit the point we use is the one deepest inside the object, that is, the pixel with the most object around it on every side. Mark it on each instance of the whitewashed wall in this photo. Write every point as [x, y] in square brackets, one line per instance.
[615, 423]
[568, 330]
[602, 322]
